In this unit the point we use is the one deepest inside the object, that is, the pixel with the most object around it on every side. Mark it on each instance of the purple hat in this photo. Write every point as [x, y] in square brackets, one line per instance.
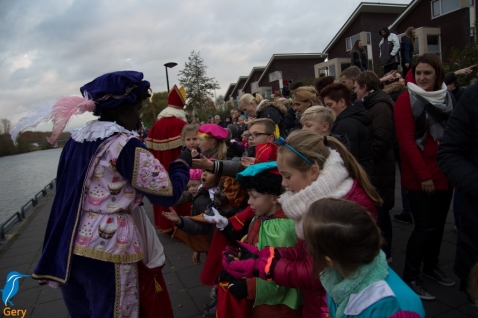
[112, 89]
[213, 130]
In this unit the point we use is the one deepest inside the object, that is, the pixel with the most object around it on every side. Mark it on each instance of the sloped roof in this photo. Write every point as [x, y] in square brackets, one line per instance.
[237, 84]
[408, 10]
[231, 87]
[254, 69]
[290, 56]
[366, 7]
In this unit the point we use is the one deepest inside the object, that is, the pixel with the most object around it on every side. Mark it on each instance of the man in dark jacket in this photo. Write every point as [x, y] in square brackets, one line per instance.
[352, 121]
[291, 122]
[389, 47]
[458, 160]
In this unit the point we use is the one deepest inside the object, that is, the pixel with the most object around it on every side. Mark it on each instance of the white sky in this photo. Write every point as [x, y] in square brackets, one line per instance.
[51, 48]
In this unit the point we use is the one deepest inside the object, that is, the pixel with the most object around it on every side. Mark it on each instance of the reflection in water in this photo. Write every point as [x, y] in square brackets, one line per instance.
[23, 176]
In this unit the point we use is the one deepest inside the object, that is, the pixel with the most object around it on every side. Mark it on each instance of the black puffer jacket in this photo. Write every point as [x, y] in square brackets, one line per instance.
[291, 123]
[354, 122]
[382, 131]
[276, 112]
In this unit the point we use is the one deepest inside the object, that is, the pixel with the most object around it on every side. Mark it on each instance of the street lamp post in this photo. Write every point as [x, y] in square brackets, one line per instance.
[166, 66]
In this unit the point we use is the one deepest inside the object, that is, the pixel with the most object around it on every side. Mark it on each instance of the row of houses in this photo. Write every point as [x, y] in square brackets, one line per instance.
[440, 26]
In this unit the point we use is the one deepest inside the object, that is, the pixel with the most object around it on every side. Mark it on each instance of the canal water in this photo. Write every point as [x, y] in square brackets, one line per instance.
[23, 176]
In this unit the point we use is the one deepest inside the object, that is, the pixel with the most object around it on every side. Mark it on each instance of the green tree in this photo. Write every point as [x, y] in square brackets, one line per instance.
[199, 87]
[5, 125]
[152, 107]
[459, 59]
[220, 104]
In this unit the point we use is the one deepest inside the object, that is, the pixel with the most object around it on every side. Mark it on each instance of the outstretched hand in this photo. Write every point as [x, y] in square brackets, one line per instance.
[247, 161]
[465, 71]
[172, 216]
[220, 221]
[202, 163]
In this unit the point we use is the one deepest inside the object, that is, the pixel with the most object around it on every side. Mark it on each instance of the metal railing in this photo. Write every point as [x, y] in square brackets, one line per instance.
[19, 216]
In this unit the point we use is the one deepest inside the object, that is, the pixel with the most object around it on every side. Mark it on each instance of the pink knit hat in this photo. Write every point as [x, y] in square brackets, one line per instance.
[213, 130]
[195, 174]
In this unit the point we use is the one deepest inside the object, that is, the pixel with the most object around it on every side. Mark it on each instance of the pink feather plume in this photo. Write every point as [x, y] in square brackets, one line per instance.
[62, 111]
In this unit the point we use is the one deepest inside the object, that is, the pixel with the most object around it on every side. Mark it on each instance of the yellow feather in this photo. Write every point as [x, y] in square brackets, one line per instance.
[277, 132]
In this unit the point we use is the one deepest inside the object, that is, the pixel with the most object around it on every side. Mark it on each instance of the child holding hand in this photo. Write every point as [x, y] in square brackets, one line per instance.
[344, 238]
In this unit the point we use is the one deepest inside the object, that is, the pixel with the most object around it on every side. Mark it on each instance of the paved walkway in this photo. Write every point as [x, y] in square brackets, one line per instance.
[21, 251]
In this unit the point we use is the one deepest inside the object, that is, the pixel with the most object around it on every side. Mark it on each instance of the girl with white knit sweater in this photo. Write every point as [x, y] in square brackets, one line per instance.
[312, 167]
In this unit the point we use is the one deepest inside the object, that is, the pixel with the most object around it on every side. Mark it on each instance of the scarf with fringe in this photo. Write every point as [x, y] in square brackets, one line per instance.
[434, 106]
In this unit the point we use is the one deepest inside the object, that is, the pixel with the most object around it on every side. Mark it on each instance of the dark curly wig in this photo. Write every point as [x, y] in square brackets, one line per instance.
[109, 114]
[264, 182]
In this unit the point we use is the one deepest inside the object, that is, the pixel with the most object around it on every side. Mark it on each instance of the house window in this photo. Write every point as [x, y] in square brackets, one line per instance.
[275, 76]
[441, 7]
[433, 43]
[324, 71]
[332, 70]
[349, 42]
[268, 94]
[254, 86]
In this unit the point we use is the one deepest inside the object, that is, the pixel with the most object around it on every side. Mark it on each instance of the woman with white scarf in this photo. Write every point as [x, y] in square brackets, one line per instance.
[421, 114]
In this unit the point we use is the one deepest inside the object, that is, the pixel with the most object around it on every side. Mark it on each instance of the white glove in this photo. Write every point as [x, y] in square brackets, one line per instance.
[217, 219]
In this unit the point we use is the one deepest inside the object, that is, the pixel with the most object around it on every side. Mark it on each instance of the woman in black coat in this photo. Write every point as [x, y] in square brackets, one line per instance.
[407, 47]
[352, 121]
[382, 131]
[359, 56]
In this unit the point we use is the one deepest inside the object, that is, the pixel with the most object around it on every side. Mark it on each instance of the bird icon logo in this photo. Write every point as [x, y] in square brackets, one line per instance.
[11, 287]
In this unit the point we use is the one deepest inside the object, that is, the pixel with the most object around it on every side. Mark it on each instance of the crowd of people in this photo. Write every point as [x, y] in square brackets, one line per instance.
[288, 199]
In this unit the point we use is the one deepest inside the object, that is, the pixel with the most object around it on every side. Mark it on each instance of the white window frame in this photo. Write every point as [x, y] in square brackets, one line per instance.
[368, 36]
[349, 41]
[275, 76]
[441, 8]
[439, 53]
[254, 85]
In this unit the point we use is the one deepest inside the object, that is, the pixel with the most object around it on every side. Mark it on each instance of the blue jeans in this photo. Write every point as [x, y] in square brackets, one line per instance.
[429, 213]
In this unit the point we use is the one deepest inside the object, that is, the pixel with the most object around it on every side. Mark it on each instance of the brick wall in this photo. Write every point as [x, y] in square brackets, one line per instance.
[295, 69]
[365, 22]
[455, 26]
[255, 76]
[239, 86]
